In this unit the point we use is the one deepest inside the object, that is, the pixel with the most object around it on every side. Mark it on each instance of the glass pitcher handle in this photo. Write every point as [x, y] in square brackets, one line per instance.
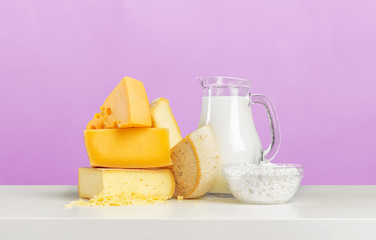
[273, 148]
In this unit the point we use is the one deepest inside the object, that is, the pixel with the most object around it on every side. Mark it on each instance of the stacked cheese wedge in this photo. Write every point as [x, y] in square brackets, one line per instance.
[129, 145]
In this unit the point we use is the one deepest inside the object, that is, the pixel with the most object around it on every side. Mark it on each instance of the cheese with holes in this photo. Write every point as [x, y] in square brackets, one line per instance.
[97, 122]
[126, 106]
[195, 163]
[106, 186]
[128, 147]
[162, 117]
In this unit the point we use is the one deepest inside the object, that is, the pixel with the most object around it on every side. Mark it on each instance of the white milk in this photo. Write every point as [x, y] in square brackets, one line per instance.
[231, 120]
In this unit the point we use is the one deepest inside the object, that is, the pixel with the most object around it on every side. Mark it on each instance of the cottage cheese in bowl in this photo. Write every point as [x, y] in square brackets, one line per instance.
[265, 183]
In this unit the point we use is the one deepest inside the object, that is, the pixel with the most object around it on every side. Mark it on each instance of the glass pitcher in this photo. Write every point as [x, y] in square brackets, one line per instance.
[226, 107]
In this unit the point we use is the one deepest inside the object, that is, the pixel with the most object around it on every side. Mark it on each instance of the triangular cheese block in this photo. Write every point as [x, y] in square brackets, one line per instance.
[126, 106]
[162, 117]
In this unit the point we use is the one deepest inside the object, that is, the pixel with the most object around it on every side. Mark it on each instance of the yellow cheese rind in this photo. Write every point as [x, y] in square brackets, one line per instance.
[128, 148]
[116, 187]
[195, 163]
[126, 106]
[162, 117]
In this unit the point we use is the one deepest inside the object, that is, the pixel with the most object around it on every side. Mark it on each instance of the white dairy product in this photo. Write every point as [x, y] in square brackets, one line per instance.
[264, 183]
[232, 123]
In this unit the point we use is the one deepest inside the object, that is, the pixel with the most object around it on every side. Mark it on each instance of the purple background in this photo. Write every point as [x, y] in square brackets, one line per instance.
[316, 60]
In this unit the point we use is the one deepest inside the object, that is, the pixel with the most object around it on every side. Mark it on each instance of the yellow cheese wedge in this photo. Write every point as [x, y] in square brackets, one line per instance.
[128, 148]
[195, 163]
[97, 122]
[126, 106]
[162, 117]
[105, 186]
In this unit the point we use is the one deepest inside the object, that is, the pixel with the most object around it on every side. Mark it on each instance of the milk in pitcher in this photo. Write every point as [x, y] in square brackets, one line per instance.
[232, 122]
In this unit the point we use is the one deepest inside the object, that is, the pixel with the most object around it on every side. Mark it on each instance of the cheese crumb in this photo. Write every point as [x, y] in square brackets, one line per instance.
[114, 200]
[180, 197]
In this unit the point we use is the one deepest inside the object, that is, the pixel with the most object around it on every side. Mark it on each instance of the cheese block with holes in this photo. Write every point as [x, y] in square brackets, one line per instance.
[126, 106]
[162, 117]
[128, 147]
[195, 163]
[97, 122]
[109, 186]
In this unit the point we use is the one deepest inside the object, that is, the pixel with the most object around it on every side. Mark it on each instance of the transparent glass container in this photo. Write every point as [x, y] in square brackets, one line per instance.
[227, 108]
[263, 183]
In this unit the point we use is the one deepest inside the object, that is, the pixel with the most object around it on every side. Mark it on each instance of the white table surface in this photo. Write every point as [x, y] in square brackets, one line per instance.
[316, 212]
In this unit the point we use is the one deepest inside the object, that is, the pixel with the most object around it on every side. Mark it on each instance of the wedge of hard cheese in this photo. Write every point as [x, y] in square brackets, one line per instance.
[128, 148]
[104, 186]
[195, 163]
[98, 121]
[126, 106]
[162, 117]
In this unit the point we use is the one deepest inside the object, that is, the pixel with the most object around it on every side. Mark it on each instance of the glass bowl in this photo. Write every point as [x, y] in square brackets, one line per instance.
[264, 183]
